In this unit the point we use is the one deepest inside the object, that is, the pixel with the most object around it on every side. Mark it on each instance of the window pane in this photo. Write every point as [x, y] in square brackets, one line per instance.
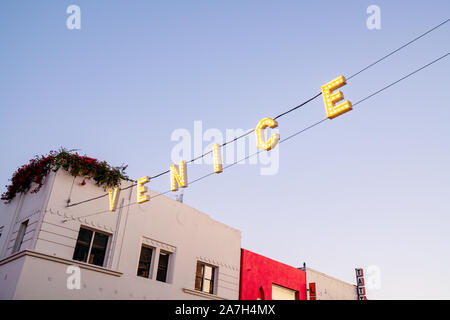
[211, 289]
[207, 286]
[208, 272]
[204, 278]
[163, 264]
[199, 272]
[82, 246]
[198, 283]
[144, 262]
[98, 250]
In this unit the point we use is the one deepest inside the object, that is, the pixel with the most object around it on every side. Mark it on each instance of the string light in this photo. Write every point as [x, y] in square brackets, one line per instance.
[217, 156]
[113, 198]
[330, 98]
[297, 107]
[178, 178]
[290, 136]
[141, 190]
[274, 137]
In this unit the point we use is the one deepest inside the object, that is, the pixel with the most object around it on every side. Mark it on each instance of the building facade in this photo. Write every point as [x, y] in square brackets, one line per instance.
[160, 249]
[329, 288]
[265, 279]
[56, 245]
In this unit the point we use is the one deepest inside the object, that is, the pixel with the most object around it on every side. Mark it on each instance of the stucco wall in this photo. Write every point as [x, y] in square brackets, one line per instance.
[9, 277]
[329, 288]
[258, 273]
[161, 223]
[29, 206]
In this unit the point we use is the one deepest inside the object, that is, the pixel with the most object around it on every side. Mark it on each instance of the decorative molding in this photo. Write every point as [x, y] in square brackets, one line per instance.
[83, 220]
[159, 244]
[217, 263]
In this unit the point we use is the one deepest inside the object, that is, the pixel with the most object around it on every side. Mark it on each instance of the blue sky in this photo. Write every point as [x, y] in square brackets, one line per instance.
[368, 188]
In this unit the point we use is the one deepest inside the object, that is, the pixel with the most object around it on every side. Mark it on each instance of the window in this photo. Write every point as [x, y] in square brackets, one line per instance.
[91, 247]
[1, 231]
[204, 277]
[163, 265]
[20, 235]
[145, 260]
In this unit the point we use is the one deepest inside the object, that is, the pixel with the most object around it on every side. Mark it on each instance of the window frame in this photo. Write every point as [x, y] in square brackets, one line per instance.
[169, 259]
[20, 235]
[152, 261]
[94, 231]
[215, 272]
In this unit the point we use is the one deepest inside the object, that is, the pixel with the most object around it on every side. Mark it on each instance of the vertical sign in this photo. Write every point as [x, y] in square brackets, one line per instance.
[312, 291]
[360, 285]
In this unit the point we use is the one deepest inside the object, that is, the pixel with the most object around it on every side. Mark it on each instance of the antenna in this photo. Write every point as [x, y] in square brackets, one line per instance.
[179, 196]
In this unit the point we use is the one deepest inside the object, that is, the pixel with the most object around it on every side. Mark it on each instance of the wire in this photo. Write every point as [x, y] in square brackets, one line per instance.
[303, 130]
[290, 110]
[398, 49]
[370, 65]
[290, 136]
[323, 120]
[403, 78]
[299, 106]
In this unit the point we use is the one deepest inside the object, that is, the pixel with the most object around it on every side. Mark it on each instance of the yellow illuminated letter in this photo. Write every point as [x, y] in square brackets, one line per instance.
[274, 137]
[141, 197]
[113, 198]
[217, 156]
[330, 98]
[178, 178]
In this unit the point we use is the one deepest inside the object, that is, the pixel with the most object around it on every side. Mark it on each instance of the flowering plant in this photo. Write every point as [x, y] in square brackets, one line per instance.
[38, 168]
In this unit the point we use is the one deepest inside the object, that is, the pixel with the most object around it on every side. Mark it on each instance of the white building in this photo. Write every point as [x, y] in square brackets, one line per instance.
[329, 288]
[161, 249]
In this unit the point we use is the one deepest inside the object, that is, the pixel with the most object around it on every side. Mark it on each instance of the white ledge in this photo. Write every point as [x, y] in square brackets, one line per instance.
[43, 256]
[203, 294]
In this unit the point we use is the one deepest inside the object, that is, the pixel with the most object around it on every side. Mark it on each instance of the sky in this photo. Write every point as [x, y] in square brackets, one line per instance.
[368, 188]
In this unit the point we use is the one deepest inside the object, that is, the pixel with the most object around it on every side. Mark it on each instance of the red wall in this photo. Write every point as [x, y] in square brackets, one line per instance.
[260, 272]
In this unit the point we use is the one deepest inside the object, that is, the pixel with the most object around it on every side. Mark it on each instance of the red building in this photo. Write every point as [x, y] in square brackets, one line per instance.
[266, 279]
